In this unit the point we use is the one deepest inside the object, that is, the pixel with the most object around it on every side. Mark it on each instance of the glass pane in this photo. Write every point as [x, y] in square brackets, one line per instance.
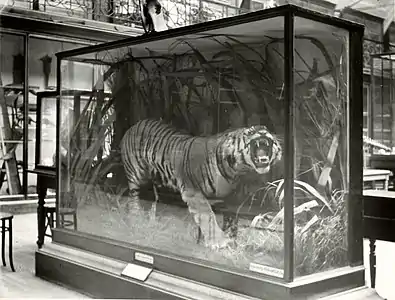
[376, 102]
[366, 109]
[42, 77]
[48, 132]
[382, 110]
[12, 70]
[204, 188]
[321, 145]
[367, 119]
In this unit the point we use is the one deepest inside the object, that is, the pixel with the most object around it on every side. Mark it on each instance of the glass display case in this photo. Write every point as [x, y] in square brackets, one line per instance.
[226, 153]
[379, 147]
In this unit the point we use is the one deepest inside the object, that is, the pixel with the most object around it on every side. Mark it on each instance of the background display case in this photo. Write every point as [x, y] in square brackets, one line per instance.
[382, 108]
[217, 153]
[381, 126]
[75, 101]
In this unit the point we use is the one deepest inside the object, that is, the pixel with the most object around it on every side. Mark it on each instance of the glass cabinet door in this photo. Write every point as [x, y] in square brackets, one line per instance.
[12, 82]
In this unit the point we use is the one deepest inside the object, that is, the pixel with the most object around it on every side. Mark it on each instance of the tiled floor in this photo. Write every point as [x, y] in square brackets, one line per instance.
[24, 284]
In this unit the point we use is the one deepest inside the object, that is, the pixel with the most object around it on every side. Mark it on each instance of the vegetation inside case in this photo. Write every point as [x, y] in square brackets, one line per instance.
[217, 90]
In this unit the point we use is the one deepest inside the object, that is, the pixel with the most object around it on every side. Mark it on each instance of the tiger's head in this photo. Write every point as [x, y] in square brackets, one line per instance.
[262, 149]
[252, 149]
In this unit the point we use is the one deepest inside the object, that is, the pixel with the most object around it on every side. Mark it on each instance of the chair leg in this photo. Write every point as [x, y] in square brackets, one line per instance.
[47, 222]
[3, 242]
[10, 244]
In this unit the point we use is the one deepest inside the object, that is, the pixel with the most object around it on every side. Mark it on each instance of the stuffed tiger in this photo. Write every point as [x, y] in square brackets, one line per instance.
[200, 168]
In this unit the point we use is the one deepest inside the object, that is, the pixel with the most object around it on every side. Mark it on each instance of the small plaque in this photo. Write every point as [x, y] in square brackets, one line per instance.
[148, 259]
[136, 272]
[266, 270]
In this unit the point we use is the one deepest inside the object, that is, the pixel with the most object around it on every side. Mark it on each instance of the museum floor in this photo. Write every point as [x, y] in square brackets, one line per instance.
[24, 284]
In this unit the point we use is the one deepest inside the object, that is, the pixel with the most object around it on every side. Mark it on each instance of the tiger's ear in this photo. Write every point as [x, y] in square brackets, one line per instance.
[251, 130]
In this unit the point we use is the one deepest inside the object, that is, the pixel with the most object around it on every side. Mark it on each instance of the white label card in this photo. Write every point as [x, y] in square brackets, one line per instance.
[144, 258]
[136, 272]
[266, 270]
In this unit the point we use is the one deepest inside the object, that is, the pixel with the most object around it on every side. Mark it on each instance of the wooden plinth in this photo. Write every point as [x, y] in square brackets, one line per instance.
[100, 277]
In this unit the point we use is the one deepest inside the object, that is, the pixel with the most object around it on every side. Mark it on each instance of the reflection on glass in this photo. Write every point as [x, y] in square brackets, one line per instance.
[367, 116]
[381, 116]
[42, 77]
[78, 109]
[77, 99]
[185, 153]
[321, 159]
[42, 61]
[47, 130]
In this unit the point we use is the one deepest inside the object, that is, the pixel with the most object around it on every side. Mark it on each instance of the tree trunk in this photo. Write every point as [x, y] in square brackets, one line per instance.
[125, 110]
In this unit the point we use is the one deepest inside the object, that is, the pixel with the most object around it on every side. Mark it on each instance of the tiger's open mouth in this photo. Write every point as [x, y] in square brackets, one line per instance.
[261, 152]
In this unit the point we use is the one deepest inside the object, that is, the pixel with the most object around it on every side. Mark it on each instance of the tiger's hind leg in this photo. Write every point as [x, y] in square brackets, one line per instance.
[153, 211]
[133, 204]
[128, 206]
[205, 218]
[140, 200]
[156, 182]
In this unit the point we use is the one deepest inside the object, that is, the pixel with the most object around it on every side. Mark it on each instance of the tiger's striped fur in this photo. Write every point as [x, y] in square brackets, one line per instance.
[200, 168]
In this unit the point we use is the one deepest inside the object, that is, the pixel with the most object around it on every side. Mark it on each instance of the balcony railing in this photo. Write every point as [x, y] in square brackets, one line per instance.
[127, 12]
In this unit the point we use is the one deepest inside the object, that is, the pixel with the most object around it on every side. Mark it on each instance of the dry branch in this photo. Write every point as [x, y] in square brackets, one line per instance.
[279, 218]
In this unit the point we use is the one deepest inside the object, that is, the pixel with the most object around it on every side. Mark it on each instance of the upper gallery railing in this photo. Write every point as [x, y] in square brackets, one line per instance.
[126, 12]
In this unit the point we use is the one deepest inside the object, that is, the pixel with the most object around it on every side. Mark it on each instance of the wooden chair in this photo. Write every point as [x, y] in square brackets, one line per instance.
[4, 228]
[50, 215]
